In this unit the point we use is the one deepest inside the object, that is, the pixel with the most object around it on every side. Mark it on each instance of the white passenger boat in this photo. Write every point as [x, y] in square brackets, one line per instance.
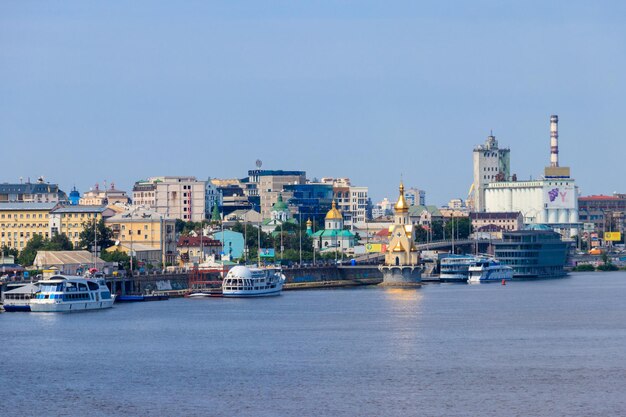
[455, 268]
[71, 293]
[18, 297]
[485, 270]
[242, 281]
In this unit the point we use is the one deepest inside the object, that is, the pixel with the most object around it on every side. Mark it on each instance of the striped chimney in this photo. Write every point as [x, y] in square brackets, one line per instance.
[554, 140]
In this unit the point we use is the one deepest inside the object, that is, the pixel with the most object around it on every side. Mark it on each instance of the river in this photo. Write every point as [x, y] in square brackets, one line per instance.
[543, 348]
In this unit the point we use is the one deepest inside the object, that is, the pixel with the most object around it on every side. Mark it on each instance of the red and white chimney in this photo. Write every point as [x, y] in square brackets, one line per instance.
[554, 140]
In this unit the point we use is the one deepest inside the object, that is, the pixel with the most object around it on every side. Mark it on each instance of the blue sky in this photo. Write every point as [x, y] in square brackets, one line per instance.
[119, 91]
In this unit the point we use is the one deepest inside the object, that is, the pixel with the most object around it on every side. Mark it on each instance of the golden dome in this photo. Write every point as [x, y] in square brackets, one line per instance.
[309, 223]
[401, 206]
[334, 214]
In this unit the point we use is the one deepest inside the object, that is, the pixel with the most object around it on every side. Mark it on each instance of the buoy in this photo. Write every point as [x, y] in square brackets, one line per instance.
[503, 282]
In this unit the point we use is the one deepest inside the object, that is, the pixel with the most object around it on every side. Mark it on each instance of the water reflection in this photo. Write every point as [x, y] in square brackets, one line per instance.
[404, 321]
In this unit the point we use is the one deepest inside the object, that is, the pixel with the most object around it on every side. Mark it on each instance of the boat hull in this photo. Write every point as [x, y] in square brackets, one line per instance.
[40, 307]
[250, 294]
[16, 307]
[491, 276]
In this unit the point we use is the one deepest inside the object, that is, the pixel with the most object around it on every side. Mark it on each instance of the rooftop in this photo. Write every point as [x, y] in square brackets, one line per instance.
[27, 206]
[80, 209]
[599, 198]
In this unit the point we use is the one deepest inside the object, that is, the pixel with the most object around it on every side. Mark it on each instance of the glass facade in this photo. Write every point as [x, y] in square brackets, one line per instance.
[533, 253]
[312, 200]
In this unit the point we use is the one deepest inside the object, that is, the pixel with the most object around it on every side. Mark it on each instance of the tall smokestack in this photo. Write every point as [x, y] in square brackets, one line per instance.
[554, 140]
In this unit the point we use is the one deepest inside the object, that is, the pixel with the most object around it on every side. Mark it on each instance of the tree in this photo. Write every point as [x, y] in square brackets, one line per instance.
[6, 251]
[215, 215]
[185, 228]
[103, 236]
[59, 242]
[28, 254]
[251, 234]
[437, 230]
[421, 234]
[118, 256]
[461, 226]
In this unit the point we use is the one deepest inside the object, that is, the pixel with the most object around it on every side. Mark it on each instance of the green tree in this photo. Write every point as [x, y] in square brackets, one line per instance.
[461, 226]
[421, 234]
[58, 242]
[251, 234]
[118, 256]
[185, 228]
[6, 251]
[103, 236]
[437, 230]
[28, 254]
[38, 242]
[215, 215]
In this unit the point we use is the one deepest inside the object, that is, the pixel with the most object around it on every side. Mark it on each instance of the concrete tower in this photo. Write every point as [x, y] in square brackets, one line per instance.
[491, 164]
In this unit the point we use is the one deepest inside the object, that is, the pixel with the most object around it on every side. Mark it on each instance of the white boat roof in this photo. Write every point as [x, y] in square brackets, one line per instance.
[60, 278]
[24, 289]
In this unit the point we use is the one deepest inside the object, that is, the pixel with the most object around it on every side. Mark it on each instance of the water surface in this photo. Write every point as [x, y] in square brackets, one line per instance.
[544, 348]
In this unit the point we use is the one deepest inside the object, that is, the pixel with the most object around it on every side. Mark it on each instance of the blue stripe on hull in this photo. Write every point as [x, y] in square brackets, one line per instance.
[16, 308]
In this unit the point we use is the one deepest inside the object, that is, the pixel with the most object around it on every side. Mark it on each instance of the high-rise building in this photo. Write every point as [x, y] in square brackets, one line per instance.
[415, 197]
[351, 200]
[174, 197]
[491, 164]
[267, 184]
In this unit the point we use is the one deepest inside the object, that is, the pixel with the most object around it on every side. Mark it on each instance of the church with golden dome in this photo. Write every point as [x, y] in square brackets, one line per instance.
[333, 237]
[401, 265]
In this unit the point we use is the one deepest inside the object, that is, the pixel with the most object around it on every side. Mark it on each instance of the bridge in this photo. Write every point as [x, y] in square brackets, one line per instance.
[460, 246]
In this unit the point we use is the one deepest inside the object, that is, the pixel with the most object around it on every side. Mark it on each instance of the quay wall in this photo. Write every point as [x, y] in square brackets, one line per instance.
[332, 273]
[148, 283]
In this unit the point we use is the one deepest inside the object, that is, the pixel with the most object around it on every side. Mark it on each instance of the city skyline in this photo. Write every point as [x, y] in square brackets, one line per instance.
[375, 93]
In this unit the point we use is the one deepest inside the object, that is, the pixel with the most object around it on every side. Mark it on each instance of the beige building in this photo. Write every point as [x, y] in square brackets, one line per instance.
[71, 220]
[100, 197]
[492, 224]
[270, 185]
[21, 221]
[351, 200]
[147, 228]
[173, 197]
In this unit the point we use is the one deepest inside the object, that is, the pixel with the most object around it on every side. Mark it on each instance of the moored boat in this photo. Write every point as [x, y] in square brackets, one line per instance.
[242, 281]
[485, 270]
[455, 268]
[71, 293]
[18, 299]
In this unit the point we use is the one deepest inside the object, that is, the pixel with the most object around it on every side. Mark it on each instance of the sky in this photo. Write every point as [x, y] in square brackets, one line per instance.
[376, 91]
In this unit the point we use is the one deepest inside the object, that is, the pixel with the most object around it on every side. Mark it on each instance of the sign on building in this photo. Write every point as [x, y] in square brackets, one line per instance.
[588, 227]
[267, 253]
[612, 236]
[376, 248]
[562, 196]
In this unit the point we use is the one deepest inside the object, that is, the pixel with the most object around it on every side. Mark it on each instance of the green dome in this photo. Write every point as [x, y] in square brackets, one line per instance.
[280, 205]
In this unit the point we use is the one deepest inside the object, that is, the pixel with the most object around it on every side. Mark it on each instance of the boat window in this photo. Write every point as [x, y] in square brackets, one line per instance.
[92, 286]
[82, 287]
